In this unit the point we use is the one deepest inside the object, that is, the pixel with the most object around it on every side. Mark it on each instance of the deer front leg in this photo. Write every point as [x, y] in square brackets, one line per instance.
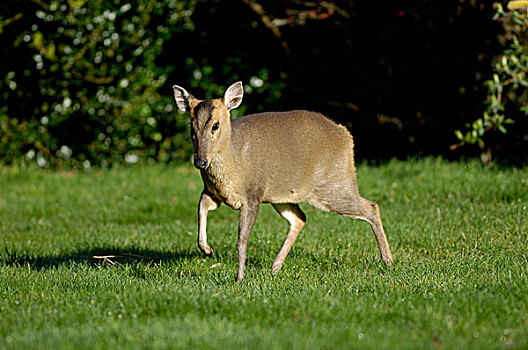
[248, 213]
[206, 203]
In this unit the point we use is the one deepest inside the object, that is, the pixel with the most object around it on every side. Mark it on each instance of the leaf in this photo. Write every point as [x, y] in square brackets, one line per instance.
[517, 4]
[496, 78]
[37, 39]
[50, 52]
[76, 3]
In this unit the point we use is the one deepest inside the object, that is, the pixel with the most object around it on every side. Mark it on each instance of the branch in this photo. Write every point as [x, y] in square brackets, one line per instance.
[330, 7]
[267, 21]
[92, 39]
[349, 105]
[41, 4]
[92, 78]
[8, 21]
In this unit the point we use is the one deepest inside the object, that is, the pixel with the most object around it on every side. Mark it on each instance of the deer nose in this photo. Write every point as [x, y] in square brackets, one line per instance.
[200, 163]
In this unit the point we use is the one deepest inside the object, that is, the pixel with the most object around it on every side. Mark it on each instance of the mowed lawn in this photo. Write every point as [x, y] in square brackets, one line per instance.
[458, 233]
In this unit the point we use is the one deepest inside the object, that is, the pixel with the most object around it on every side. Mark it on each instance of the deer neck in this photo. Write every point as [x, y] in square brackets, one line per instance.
[221, 177]
[222, 164]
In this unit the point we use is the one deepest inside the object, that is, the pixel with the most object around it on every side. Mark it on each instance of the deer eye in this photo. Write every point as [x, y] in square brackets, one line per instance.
[215, 127]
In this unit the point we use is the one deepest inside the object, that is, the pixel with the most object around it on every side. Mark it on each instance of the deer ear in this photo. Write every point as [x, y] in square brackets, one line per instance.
[233, 96]
[183, 98]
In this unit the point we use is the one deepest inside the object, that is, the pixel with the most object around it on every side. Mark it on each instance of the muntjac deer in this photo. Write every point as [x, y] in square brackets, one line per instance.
[282, 158]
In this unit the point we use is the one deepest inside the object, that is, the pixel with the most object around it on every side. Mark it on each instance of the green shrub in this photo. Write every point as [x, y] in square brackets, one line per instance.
[86, 83]
[85, 87]
[507, 93]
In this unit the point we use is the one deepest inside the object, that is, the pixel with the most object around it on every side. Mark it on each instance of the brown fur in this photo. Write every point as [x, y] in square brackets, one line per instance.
[283, 158]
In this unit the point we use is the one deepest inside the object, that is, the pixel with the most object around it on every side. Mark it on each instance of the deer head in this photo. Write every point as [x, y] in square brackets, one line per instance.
[210, 121]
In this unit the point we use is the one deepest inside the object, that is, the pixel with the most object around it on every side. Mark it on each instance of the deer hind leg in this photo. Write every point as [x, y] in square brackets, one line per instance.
[296, 218]
[371, 214]
[364, 209]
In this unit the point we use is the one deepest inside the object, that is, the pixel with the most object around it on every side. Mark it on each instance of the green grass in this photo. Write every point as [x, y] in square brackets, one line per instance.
[458, 233]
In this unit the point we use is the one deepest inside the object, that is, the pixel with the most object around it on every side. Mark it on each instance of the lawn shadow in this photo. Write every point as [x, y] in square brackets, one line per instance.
[98, 256]
[131, 255]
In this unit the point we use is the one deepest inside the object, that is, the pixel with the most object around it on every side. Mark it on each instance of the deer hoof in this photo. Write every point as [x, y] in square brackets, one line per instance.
[207, 250]
[275, 269]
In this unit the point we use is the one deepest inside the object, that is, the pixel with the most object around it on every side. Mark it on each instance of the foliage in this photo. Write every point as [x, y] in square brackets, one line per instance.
[89, 91]
[84, 85]
[459, 279]
[507, 90]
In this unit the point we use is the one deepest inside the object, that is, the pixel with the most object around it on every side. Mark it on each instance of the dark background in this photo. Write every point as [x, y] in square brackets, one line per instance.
[401, 77]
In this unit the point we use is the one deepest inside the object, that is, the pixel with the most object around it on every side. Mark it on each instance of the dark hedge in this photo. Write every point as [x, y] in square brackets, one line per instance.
[88, 83]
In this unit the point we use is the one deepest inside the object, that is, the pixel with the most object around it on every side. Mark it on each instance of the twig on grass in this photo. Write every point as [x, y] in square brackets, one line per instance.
[106, 258]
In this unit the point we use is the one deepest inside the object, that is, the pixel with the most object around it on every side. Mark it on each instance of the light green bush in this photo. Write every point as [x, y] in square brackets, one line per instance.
[507, 89]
